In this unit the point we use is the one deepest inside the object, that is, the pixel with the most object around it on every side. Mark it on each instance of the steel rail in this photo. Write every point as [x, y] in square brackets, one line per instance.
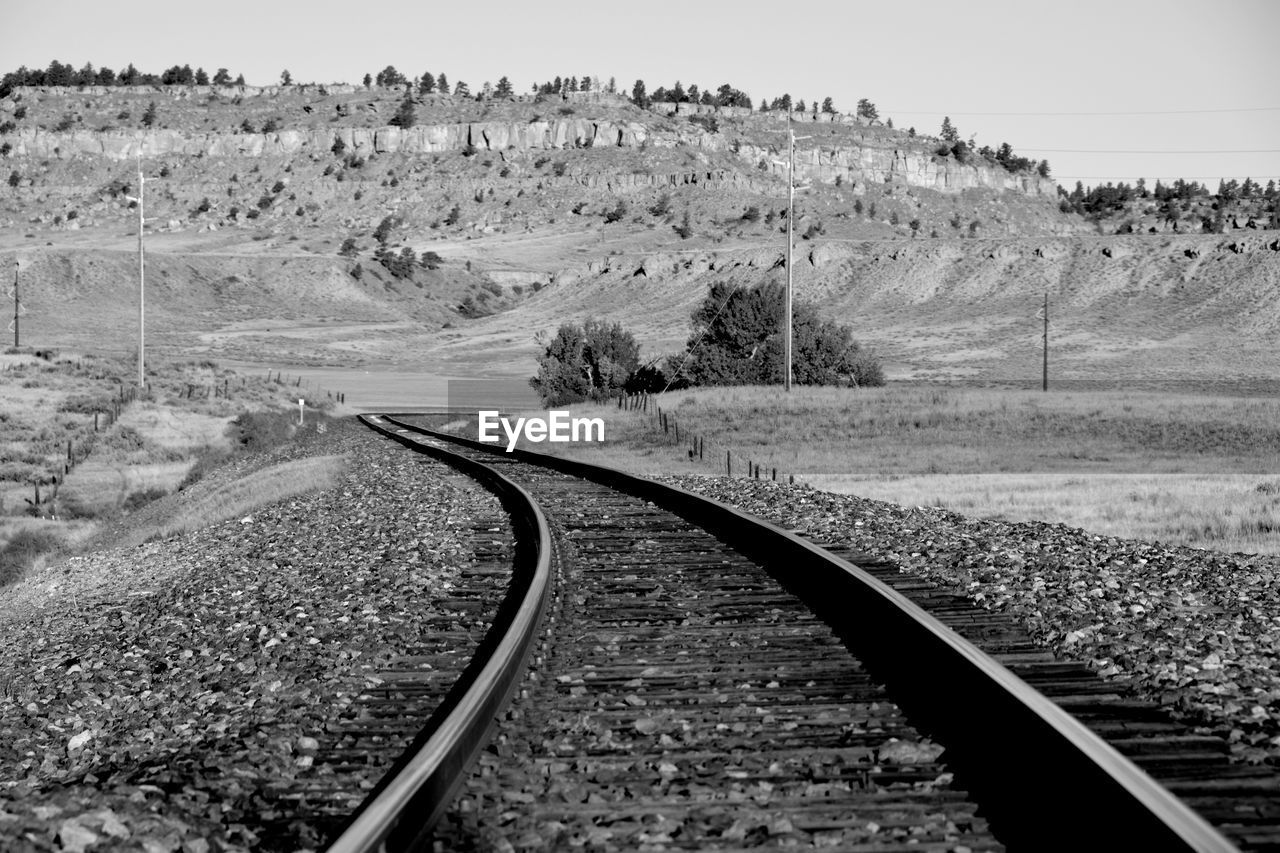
[403, 807]
[988, 717]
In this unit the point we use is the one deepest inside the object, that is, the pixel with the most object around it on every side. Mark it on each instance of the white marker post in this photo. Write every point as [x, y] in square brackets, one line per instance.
[302, 407]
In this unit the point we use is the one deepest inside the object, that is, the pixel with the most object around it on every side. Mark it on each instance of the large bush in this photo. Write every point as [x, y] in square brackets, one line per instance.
[737, 340]
[593, 361]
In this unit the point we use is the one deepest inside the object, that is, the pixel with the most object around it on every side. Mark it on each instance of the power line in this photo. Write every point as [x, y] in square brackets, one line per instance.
[1161, 177]
[698, 342]
[1134, 151]
[1117, 113]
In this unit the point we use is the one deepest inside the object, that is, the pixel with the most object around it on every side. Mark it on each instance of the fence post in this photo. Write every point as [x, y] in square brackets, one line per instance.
[793, 479]
[702, 446]
[775, 475]
[675, 425]
[728, 463]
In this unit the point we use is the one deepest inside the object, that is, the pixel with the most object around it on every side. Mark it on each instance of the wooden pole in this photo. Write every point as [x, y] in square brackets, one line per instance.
[17, 303]
[1044, 379]
[142, 288]
[791, 211]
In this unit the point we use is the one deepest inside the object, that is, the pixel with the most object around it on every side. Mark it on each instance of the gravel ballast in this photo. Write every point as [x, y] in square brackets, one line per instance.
[1196, 631]
[152, 698]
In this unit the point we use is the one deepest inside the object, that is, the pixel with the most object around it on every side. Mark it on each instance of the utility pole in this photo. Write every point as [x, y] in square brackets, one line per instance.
[791, 209]
[142, 290]
[791, 215]
[17, 303]
[1044, 380]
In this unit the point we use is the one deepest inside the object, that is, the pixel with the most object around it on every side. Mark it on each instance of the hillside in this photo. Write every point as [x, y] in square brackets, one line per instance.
[293, 225]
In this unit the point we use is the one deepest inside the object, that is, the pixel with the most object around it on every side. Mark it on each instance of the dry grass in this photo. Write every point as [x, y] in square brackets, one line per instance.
[176, 429]
[1179, 468]
[1231, 512]
[242, 496]
[98, 489]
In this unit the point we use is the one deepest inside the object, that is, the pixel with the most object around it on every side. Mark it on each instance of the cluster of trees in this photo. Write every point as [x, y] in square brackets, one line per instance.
[736, 340]
[725, 96]
[59, 74]
[963, 151]
[400, 264]
[429, 84]
[565, 85]
[784, 104]
[1172, 199]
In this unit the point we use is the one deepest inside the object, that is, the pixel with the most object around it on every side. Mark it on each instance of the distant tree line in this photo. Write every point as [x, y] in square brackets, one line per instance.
[432, 84]
[725, 96]
[60, 74]
[1172, 201]
[564, 85]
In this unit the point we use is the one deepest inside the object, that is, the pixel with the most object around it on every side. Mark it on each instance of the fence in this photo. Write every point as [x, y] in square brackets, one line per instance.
[696, 446]
[41, 503]
[296, 382]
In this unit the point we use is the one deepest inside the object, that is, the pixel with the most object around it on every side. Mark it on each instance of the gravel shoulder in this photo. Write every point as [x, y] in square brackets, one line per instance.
[1196, 631]
[152, 697]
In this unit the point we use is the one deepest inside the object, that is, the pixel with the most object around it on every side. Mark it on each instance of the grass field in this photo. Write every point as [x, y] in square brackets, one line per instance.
[1188, 469]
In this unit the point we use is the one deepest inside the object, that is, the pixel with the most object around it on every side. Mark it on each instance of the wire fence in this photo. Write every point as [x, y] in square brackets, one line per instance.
[698, 449]
[280, 378]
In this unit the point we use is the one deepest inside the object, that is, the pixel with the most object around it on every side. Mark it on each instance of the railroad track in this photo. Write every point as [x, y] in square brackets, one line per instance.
[685, 677]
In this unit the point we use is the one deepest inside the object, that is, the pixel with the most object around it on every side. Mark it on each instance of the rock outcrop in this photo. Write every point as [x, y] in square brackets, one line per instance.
[868, 159]
[423, 139]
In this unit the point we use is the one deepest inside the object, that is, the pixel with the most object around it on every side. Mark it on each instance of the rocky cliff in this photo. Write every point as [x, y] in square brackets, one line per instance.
[422, 139]
[856, 163]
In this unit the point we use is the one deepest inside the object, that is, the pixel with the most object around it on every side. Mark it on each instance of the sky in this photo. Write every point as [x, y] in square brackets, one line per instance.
[1103, 89]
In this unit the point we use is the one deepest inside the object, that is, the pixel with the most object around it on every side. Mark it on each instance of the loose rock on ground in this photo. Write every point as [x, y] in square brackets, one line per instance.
[162, 694]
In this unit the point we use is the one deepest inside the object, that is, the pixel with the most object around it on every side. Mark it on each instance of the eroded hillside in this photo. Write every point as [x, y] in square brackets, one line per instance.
[295, 224]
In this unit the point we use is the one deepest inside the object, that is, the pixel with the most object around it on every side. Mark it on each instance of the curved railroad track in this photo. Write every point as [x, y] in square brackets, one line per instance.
[665, 672]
